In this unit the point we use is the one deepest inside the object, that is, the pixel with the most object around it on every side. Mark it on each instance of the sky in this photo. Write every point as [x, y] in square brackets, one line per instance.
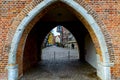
[54, 31]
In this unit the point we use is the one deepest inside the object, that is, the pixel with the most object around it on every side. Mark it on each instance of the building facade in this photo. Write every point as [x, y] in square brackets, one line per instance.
[57, 39]
[68, 39]
[101, 18]
[49, 40]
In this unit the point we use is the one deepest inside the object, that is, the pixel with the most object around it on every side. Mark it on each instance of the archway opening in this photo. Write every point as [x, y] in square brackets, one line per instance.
[32, 57]
[58, 16]
[58, 44]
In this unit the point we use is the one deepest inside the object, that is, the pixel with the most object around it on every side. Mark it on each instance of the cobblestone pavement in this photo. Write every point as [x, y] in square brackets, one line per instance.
[60, 66]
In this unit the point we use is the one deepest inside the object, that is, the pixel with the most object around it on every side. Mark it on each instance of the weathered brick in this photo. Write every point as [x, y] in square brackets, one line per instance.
[105, 12]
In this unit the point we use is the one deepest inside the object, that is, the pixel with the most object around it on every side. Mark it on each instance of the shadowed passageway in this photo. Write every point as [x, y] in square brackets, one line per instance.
[60, 64]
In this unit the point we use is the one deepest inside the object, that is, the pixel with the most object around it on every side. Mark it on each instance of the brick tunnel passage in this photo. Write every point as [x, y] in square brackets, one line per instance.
[32, 50]
[56, 64]
[36, 67]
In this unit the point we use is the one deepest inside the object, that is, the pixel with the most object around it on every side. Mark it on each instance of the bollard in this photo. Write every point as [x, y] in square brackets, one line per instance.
[12, 72]
[69, 55]
[54, 55]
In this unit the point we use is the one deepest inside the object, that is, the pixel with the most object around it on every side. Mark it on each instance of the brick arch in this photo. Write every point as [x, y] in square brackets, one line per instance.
[28, 17]
[102, 26]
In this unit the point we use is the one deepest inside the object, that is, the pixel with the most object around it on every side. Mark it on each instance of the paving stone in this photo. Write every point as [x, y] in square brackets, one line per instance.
[60, 68]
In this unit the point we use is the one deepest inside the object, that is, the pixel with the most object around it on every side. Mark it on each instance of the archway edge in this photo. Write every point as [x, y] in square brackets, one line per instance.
[87, 17]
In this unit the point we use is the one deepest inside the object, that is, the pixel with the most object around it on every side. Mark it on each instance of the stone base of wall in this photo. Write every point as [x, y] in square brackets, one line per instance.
[103, 69]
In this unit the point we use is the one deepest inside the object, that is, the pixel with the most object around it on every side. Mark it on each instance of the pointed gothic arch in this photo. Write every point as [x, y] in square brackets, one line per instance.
[89, 22]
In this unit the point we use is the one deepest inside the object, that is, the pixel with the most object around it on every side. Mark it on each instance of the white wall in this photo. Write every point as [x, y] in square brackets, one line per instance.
[57, 39]
[91, 56]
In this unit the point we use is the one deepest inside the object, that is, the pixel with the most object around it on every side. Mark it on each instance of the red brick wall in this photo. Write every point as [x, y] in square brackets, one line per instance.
[8, 11]
[30, 52]
[105, 12]
[109, 14]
